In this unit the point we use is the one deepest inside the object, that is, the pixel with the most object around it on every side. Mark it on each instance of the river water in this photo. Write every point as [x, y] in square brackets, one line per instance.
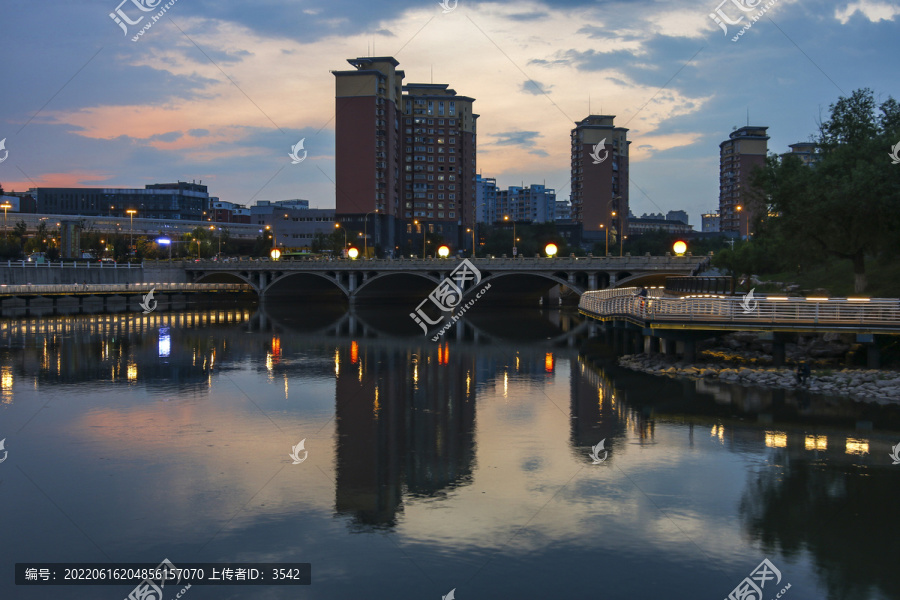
[427, 467]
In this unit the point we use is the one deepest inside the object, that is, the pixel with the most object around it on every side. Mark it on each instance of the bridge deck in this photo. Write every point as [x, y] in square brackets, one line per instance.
[106, 289]
[771, 313]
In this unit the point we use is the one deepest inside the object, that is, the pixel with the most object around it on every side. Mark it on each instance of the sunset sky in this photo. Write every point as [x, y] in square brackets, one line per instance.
[219, 91]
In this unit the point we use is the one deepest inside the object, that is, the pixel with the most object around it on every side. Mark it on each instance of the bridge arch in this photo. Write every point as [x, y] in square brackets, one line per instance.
[309, 285]
[643, 279]
[228, 277]
[390, 285]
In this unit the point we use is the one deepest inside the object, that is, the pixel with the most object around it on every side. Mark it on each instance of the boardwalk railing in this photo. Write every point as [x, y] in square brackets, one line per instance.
[119, 288]
[767, 310]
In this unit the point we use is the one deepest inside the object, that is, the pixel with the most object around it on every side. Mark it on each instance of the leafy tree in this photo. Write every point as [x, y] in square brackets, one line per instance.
[848, 204]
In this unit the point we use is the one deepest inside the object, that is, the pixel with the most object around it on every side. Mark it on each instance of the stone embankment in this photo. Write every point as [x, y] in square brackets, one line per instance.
[861, 384]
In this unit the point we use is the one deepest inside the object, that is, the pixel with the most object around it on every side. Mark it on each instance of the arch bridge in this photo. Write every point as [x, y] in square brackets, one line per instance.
[526, 279]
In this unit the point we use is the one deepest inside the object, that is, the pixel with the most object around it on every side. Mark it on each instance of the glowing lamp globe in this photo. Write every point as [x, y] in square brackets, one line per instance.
[443, 251]
[353, 253]
[276, 254]
[551, 250]
[679, 247]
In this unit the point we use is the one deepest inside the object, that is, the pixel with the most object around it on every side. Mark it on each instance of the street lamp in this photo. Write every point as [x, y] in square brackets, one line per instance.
[514, 250]
[131, 212]
[443, 251]
[551, 250]
[473, 239]
[198, 248]
[353, 253]
[366, 227]
[424, 238]
[213, 228]
[679, 247]
[338, 226]
[739, 208]
[6, 206]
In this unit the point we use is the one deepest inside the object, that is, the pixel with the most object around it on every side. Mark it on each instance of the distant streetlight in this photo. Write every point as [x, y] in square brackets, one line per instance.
[162, 242]
[338, 226]
[219, 234]
[473, 239]
[424, 237]
[366, 227]
[6, 206]
[514, 249]
[551, 250]
[131, 212]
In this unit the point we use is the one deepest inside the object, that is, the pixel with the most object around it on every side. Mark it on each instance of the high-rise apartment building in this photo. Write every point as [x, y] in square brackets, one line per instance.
[486, 191]
[600, 176]
[743, 151]
[807, 152]
[405, 155]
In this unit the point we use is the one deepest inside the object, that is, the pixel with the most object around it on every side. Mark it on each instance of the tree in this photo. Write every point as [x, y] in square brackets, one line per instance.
[848, 204]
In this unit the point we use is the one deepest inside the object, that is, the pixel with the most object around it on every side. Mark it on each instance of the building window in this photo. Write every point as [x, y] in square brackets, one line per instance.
[452, 215]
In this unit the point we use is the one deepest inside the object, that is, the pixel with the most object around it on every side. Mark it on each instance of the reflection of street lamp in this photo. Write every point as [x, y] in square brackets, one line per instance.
[131, 212]
[6, 206]
[506, 218]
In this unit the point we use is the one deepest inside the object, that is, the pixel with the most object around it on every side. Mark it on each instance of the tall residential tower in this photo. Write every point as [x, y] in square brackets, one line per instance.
[743, 151]
[600, 176]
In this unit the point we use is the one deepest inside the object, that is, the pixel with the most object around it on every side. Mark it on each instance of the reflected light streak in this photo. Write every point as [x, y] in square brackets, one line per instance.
[776, 439]
[855, 446]
[337, 362]
[548, 362]
[354, 352]
[816, 442]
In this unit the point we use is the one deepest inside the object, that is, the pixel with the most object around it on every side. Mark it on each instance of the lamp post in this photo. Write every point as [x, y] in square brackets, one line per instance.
[198, 248]
[131, 212]
[604, 227]
[338, 226]
[424, 237]
[473, 239]
[6, 206]
[514, 250]
[739, 208]
[219, 232]
[366, 227]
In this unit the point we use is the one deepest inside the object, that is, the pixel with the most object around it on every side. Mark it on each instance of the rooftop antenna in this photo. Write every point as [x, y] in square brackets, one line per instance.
[432, 73]
[748, 116]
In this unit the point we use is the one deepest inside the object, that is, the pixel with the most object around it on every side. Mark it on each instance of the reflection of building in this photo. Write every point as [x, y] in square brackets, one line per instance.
[596, 412]
[402, 423]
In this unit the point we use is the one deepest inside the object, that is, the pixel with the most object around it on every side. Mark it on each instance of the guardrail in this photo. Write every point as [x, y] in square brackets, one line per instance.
[766, 310]
[118, 288]
[72, 264]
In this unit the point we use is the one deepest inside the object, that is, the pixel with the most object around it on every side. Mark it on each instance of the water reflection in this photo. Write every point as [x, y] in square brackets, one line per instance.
[466, 449]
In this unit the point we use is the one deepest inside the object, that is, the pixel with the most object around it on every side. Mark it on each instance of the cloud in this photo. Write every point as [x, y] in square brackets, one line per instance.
[516, 138]
[535, 87]
[873, 10]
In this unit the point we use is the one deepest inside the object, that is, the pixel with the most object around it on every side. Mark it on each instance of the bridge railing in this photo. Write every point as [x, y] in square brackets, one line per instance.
[113, 288]
[72, 264]
[777, 310]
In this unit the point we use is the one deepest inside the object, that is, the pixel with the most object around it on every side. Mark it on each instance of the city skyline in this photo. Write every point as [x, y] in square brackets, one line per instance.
[118, 113]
